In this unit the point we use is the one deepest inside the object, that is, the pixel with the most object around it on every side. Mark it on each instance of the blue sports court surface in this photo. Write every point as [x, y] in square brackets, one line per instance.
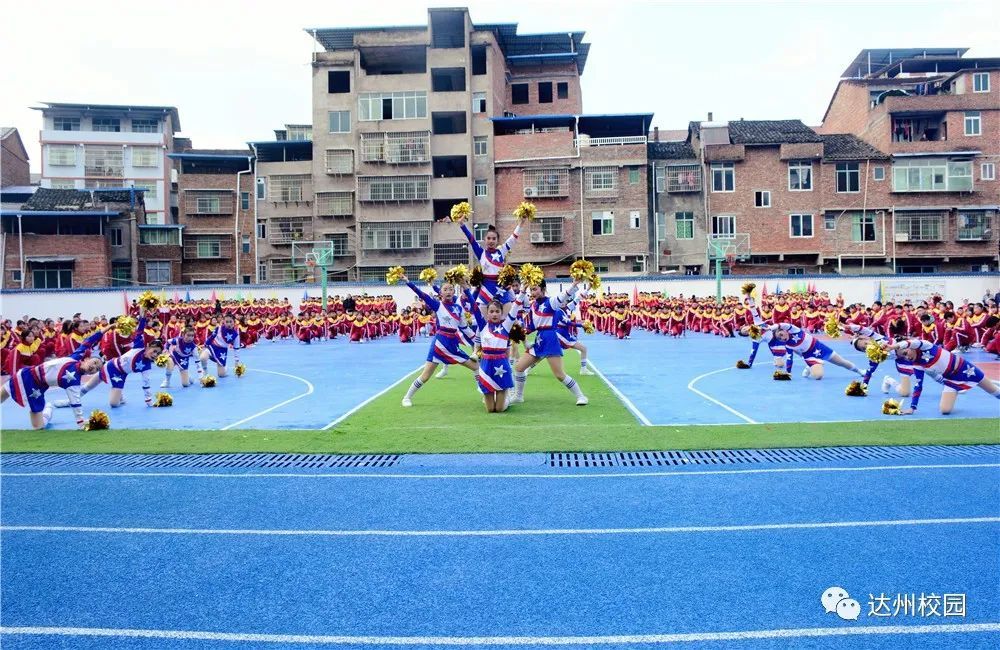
[663, 381]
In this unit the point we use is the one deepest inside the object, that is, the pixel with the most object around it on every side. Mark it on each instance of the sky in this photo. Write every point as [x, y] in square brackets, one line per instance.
[238, 70]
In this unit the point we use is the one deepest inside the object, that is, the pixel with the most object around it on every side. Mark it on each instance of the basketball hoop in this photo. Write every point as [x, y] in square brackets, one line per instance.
[730, 259]
[311, 261]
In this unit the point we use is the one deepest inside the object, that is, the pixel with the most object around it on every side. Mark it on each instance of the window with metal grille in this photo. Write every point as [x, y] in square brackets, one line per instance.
[335, 204]
[449, 254]
[160, 236]
[289, 188]
[547, 230]
[121, 274]
[62, 155]
[546, 182]
[393, 188]
[103, 161]
[338, 161]
[601, 181]
[683, 178]
[158, 272]
[974, 226]
[285, 230]
[339, 240]
[401, 147]
[66, 123]
[208, 202]
[62, 183]
[107, 124]
[145, 126]
[148, 188]
[409, 105]
[395, 235]
[919, 226]
[209, 248]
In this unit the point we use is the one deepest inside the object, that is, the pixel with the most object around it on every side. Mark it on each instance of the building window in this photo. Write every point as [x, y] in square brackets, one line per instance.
[288, 188]
[262, 229]
[145, 126]
[602, 222]
[145, 157]
[208, 204]
[158, 272]
[639, 264]
[103, 162]
[547, 230]
[800, 176]
[299, 133]
[448, 80]
[848, 177]
[633, 175]
[479, 144]
[62, 183]
[478, 59]
[52, 275]
[160, 236]
[395, 235]
[480, 187]
[450, 254]
[987, 171]
[339, 161]
[684, 225]
[723, 226]
[519, 93]
[209, 249]
[479, 231]
[981, 82]
[562, 90]
[338, 81]
[62, 155]
[973, 226]
[723, 177]
[829, 221]
[550, 182]
[762, 199]
[601, 181]
[878, 173]
[919, 226]
[932, 176]
[801, 225]
[121, 274]
[245, 242]
[795, 270]
[478, 102]
[261, 189]
[148, 188]
[244, 200]
[115, 235]
[544, 92]
[679, 178]
[107, 124]
[450, 166]
[339, 243]
[448, 123]
[862, 227]
[335, 204]
[634, 219]
[916, 269]
[973, 123]
[393, 188]
[409, 105]
[66, 123]
[262, 271]
[340, 121]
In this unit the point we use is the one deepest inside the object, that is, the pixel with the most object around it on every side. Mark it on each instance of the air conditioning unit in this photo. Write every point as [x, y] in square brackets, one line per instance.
[902, 236]
[538, 238]
[531, 191]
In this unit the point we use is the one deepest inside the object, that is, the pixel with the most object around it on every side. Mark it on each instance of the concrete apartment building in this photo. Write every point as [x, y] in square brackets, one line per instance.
[678, 205]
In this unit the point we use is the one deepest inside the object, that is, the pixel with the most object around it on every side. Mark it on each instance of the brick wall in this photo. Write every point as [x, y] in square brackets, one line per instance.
[171, 254]
[221, 225]
[14, 168]
[92, 266]
[848, 110]
[534, 145]
[531, 75]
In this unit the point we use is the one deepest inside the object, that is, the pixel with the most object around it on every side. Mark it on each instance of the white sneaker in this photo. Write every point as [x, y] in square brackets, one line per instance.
[443, 372]
[165, 383]
[587, 371]
[516, 399]
[122, 400]
[806, 372]
[886, 384]
[582, 400]
[407, 402]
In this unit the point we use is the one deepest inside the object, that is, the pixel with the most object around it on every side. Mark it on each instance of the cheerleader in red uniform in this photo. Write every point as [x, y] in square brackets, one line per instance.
[406, 326]
[25, 352]
[358, 326]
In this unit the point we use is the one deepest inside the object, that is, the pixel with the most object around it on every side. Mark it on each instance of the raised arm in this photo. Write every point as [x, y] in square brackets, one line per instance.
[433, 303]
[139, 341]
[514, 312]
[509, 244]
[566, 296]
[476, 248]
[87, 344]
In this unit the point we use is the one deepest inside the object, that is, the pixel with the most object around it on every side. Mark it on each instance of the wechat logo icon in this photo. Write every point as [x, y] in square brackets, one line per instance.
[837, 601]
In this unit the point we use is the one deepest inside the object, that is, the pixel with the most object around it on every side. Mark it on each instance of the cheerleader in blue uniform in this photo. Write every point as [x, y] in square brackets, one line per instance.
[567, 326]
[956, 374]
[777, 348]
[491, 259]
[541, 318]
[451, 326]
[137, 360]
[217, 346]
[180, 350]
[493, 339]
[814, 352]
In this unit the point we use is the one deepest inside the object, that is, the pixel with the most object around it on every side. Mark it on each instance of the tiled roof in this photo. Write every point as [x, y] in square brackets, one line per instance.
[844, 146]
[669, 150]
[49, 199]
[5, 131]
[770, 132]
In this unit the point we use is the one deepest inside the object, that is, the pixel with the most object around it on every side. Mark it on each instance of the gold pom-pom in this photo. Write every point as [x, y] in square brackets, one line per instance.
[163, 399]
[507, 276]
[517, 333]
[148, 301]
[580, 270]
[98, 420]
[476, 277]
[742, 365]
[208, 381]
[890, 407]
[162, 360]
[531, 275]
[526, 210]
[755, 333]
[832, 327]
[594, 281]
[781, 375]
[876, 352]
[588, 327]
[461, 211]
[429, 275]
[126, 325]
[856, 389]
[394, 274]
[456, 274]
[748, 288]
[241, 369]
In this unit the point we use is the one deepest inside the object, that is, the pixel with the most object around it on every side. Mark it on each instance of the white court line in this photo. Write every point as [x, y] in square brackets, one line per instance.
[621, 396]
[623, 639]
[514, 532]
[369, 400]
[706, 472]
[712, 399]
[309, 391]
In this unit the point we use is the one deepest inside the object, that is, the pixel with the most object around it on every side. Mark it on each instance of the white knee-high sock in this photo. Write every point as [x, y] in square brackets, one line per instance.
[46, 415]
[519, 380]
[573, 387]
[414, 387]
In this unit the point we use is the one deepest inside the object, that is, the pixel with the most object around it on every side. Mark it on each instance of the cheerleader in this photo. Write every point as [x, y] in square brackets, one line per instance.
[218, 344]
[491, 260]
[541, 318]
[495, 376]
[28, 386]
[445, 346]
[180, 350]
[566, 327]
[814, 352]
[116, 371]
[955, 373]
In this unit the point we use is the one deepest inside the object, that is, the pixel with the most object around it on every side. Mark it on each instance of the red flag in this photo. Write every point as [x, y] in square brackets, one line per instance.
[635, 294]
[213, 295]
[125, 299]
[763, 289]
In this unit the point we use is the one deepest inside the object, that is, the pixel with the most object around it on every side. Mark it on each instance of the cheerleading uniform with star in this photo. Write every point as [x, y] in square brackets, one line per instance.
[495, 373]
[451, 325]
[27, 387]
[219, 342]
[492, 262]
[181, 352]
[542, 318]
[804, 344]
[955, 373]
[777, 348]
[116, 371]
[903, 366]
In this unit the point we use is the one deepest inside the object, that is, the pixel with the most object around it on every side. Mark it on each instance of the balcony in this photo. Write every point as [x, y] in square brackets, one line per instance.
[216, 247]
[915, 226]
[335, 204]
[545, 183]
[286, 230]
[587, 141]
[386, 189]
[208, 202]
[681, 178]
[101, 137]
[396, 148]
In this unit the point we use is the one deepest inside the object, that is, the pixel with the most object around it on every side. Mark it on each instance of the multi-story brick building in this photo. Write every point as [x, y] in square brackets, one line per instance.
[677, 201]
[93, 146]
[937, 115]
[14, 166]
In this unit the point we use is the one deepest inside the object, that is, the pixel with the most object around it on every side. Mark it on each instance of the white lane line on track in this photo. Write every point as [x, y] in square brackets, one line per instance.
[694, 381]
[338, 475]
[369, 400]
[624, 639]
[309, 391]
[514, 532]
[621, 396]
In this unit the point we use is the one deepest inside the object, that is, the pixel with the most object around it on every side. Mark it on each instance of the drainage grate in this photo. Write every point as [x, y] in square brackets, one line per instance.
[277, 461]
[762, 456]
